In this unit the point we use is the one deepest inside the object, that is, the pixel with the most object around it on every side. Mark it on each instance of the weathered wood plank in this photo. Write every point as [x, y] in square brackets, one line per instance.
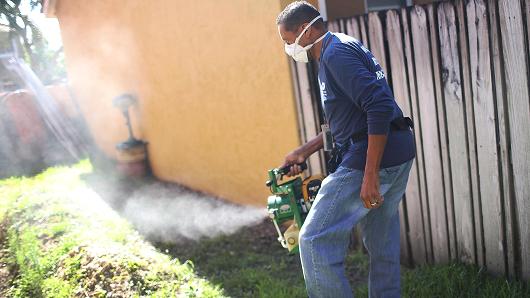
[429, 133]
[502, 125]
[308, 114]
[472, 156]
[419, 161]
[333, 26]
[442, 130]
[515, 55]
[364, 31]
[528, 25]
[416, 233]
[486, 142]
[298, 101]
[377, 44]
[456, 130]
[342, 26]
[352, 26]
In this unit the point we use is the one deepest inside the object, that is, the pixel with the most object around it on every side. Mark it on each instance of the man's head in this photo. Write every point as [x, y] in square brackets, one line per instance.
[295, 18]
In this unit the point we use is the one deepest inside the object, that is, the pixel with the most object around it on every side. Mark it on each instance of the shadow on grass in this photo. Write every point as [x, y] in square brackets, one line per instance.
[246, 264]
[251, 263]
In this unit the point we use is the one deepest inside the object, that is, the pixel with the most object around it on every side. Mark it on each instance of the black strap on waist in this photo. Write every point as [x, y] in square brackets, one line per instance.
[402, 123]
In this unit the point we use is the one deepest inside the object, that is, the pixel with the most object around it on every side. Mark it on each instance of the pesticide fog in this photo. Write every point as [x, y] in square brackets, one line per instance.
[169, 213]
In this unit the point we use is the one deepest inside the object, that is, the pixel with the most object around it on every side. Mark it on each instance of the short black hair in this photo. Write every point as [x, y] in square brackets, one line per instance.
[298, 13]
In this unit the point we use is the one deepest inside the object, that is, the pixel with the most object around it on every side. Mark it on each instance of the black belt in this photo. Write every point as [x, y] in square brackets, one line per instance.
[402, 123]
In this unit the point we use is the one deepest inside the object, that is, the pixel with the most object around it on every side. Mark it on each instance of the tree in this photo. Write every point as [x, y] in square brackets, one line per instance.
[48, 65]
[20, 25]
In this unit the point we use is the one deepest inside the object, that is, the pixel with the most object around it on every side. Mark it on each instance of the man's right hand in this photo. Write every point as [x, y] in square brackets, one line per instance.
[300, 154]
[293, 159]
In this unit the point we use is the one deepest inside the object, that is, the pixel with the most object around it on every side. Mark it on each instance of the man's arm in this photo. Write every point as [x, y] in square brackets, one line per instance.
[370, 187]
[301, 153]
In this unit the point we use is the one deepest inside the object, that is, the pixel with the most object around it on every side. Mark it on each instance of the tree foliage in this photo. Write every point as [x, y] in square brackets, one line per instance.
[46, 63]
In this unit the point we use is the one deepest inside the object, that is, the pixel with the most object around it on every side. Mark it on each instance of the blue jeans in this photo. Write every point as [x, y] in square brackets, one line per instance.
[325, 235]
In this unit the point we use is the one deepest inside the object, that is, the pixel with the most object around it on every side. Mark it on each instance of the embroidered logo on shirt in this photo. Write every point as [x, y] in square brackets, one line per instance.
[323, 93]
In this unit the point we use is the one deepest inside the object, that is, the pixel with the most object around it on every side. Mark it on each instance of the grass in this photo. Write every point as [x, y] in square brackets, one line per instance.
[458, 280]
[63, 242]
[249, 264]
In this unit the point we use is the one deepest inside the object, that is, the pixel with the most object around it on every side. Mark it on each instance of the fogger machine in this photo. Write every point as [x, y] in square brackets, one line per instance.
[290, 203]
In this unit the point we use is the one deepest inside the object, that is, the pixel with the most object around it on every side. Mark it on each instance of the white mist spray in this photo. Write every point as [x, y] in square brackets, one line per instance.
[170, 213]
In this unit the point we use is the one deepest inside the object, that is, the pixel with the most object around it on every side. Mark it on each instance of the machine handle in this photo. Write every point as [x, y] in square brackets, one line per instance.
[285, 170]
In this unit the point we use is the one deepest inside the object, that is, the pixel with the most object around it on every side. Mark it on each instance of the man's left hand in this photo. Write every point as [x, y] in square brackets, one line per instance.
[370, 191]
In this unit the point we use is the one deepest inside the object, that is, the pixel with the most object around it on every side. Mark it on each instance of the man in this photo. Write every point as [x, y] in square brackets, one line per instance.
[377, 147]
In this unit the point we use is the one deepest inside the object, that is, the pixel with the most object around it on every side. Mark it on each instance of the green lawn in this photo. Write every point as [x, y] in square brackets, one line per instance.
[62, 240]
[250, 264]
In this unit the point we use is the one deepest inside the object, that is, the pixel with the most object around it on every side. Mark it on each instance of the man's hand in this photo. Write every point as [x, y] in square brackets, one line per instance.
[300, 154]
[370, 191]
[293, 159]
[370, 188]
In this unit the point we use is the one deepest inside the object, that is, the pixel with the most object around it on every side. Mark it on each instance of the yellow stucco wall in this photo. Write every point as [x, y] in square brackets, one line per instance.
[215, 95]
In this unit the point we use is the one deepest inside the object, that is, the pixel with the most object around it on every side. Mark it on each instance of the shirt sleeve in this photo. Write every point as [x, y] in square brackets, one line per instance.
[369, 90]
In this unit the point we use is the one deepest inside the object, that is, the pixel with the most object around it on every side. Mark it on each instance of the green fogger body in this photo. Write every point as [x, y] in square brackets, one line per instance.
[290, 203]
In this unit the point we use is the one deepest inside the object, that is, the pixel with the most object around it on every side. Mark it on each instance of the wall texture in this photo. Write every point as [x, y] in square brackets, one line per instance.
[215, 94]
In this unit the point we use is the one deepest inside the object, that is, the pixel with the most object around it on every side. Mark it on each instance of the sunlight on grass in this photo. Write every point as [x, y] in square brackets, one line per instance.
[65, 241]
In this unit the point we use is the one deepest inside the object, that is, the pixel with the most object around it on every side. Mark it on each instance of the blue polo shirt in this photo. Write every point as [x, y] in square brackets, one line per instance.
[356, 97]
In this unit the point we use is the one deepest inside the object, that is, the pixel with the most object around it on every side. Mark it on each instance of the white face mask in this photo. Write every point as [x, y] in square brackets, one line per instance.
[298, 52]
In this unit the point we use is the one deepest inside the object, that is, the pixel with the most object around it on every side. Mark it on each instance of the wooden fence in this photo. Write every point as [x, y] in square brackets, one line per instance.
[461, 70]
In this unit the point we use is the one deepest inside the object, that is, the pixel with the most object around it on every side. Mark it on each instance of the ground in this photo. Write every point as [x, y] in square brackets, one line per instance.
[60, 238]
[232, 246]
[6, 273]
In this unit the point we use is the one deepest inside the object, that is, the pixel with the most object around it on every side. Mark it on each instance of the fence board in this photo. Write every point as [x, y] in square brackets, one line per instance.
[352, 26]
[342, 26]
[419, 162]
[503, 133]
[297, 96]
[364, 31]
[528, 26]
[484, 111]
[413, 210]
[515, 55]
[306, 108]
[429, 133]
[456, 129]
[377, 45]
[394, 37]
[470, 129]
[333, 26]
[447, 194]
